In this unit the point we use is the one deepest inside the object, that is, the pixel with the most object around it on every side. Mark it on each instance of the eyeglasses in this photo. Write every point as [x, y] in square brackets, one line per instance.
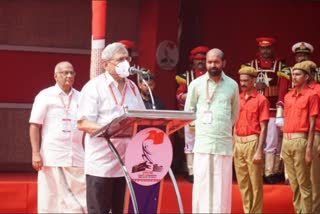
[121, 59]
[65, 73]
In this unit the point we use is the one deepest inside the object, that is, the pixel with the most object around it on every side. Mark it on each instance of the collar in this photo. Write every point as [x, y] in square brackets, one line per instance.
[312, 85]
[258, 56]
[253, 94]
[110, 80]
[223, 76]
[301, 93]
[59, 91]
[145, 98]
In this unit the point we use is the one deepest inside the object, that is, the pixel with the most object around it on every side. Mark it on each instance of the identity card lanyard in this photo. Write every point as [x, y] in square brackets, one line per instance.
[123, 95]
[207, 117]
[66, 121]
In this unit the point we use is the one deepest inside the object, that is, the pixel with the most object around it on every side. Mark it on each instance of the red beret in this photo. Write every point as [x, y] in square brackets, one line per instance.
[199, 52]
[127, 43]
[265, 41]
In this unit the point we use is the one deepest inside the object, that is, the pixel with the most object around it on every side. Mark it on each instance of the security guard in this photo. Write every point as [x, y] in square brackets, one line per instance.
[198, 58]
[302, 51]
[315, 165]
[273, 81]
[249, 137]
[301, 107]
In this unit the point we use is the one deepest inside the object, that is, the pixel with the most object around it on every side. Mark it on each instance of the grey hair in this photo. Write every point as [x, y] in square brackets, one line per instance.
[216, 52]
[60, 64]
[111, 49]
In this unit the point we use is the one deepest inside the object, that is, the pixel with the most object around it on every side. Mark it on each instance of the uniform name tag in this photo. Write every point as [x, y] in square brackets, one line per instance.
[207, 117]
[66, 124]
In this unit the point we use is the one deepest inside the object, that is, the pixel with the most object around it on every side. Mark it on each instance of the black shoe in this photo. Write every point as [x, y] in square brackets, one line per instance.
[189, 178]
[279, 177]
[270, 179]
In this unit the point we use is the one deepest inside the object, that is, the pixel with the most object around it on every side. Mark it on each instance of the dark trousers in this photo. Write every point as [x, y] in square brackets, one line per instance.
[105, 194]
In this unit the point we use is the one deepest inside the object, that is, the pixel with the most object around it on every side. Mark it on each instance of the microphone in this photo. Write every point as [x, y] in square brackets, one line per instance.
[136, 70]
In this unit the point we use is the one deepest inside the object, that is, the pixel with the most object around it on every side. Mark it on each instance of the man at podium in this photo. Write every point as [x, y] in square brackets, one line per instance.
[102, 100]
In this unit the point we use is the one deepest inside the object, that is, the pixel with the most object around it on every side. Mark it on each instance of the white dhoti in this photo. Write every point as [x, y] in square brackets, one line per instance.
[61, 190]
[212, 186]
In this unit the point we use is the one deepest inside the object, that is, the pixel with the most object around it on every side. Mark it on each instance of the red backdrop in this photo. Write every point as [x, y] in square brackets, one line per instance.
[234, 25]
[229, 25]
[24, 74]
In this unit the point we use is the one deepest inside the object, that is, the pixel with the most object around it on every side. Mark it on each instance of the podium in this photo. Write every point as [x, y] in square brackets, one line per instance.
[127, 125]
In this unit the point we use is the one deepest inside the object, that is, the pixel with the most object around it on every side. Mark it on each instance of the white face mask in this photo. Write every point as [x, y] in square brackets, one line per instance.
[122, 69]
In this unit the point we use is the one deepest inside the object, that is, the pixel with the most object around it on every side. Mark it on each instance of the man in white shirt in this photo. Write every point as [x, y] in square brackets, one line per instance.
[59, 159]
[101, 101]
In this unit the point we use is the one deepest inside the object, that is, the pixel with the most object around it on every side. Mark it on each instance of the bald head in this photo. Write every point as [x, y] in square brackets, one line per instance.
[64, 65]
[215, 52]
[215, 62]
[64, 75]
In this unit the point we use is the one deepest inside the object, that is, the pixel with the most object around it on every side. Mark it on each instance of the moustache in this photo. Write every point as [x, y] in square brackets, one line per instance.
[243, 86]
[214, 71]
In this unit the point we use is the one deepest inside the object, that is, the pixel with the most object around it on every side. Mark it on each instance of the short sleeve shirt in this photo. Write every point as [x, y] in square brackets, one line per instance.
[253, 110]
[316, 88]
[61, 141]
[298, 108]
[100, 101]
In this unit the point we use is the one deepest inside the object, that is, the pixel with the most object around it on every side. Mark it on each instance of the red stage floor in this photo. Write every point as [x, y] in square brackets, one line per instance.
[18, 193]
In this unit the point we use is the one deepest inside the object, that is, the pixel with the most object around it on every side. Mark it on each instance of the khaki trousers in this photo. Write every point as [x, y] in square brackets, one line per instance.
[315, 176]
[249, 176]
[293, 154]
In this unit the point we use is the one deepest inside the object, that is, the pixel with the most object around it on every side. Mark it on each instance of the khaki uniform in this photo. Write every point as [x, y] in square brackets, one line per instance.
[293, 153]
[299, 106]
[248, 173]
[254, 111]
[315, 175]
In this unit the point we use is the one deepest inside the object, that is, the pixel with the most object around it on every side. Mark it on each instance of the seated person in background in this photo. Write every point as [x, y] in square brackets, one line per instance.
[145, 94]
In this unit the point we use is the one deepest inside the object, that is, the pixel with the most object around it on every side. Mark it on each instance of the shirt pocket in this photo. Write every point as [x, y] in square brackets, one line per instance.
[302, 108]
[252, 112]
[220, 108]
[287, 107]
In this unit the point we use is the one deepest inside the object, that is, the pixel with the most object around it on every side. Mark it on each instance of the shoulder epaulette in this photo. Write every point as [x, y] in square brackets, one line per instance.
[180, 79]
[284, 72]
[246, 65]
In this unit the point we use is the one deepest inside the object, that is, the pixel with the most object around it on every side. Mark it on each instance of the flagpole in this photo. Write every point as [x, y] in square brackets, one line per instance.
[99, 9]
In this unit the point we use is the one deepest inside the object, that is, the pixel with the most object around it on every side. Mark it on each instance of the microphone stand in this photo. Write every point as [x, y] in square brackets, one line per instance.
[150, 92]
[137, 70]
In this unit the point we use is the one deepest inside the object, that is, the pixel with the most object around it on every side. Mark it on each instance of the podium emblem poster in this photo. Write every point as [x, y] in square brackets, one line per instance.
[148, 156]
